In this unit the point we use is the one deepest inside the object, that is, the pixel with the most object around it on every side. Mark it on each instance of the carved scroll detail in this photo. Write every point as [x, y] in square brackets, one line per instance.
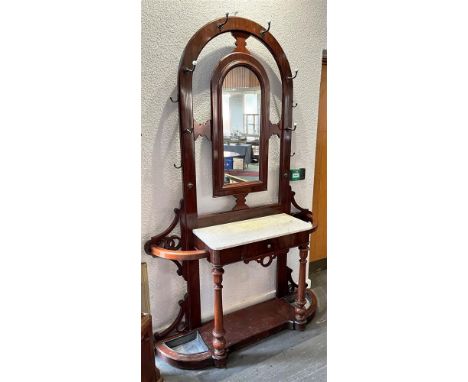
[177, 326]
[180, 269]
[261, 259]
[303, 214]
[172, 242]
[292, 286]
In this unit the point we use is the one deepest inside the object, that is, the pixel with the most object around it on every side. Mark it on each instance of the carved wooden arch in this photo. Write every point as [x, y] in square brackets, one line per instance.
[226, 64]
[185, 75]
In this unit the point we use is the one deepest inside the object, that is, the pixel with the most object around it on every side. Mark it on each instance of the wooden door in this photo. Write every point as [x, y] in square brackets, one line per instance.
[318, 244]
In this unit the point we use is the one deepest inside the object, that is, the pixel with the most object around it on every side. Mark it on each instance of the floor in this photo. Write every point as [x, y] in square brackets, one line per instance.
[284, 357]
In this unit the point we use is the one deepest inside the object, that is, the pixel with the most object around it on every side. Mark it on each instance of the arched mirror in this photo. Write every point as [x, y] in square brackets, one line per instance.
[240, 105]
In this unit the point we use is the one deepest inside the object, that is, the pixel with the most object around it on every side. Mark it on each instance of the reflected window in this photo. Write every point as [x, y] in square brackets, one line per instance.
[241, 102]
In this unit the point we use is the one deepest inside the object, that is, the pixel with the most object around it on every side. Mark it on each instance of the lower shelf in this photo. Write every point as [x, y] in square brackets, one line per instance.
[193, 350]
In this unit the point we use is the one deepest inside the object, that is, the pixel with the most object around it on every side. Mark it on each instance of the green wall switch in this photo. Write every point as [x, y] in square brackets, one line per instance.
[297, 174]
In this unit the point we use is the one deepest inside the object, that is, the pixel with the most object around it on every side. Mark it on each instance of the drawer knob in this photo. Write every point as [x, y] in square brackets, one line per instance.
[269, 245]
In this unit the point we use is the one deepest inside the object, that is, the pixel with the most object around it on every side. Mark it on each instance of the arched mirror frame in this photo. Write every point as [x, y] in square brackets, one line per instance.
[241, 29]
[228, 63]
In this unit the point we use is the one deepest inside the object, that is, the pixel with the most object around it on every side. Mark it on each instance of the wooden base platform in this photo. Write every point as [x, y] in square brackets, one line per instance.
[243, 327]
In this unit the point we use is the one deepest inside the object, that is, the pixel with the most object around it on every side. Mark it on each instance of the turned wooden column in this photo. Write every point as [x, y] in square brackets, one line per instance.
[300, 297]
[219, 342]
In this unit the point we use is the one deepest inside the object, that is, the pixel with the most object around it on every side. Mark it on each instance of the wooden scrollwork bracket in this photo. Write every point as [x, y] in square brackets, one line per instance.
[261, 259]
[168, 246]
[303, 214]
[292, 285]
[163, 240]
[178, 325]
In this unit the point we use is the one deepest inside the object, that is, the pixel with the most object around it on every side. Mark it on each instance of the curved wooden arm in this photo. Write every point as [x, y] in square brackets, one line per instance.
[178, 255]
[304, 213]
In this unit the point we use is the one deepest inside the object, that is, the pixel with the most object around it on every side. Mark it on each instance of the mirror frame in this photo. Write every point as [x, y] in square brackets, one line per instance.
[225, 65]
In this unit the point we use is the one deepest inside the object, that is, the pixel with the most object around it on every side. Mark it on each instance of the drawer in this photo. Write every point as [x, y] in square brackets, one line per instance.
[252, 250]
[259, 248]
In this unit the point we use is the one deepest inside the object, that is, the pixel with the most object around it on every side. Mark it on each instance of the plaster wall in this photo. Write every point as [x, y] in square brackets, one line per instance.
[300, 28]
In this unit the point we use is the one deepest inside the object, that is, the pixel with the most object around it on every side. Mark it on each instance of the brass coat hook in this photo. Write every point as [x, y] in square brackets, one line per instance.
[174, 101]
[294, 153]
[177, 167]
[295, 127]
[294, 105]
[295, 75]
[262, 33]
[220, 26]
[194, 64]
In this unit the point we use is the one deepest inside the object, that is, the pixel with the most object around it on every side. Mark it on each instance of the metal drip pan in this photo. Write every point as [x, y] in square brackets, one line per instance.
[191, 343]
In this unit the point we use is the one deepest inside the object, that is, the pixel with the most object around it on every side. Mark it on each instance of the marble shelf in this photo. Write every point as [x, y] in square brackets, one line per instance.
[248, 231]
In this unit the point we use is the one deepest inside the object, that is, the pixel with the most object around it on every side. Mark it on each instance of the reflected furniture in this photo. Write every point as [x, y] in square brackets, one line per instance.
[262, 234]
[244, 150]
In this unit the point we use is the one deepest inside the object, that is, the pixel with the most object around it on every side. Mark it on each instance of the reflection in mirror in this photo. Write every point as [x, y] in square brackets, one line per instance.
[241, 125]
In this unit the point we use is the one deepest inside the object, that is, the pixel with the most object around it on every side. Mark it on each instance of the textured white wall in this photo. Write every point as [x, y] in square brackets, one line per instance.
[300, 28]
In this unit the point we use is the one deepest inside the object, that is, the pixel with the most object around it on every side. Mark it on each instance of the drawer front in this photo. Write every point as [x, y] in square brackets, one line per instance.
[263, 247]
[253, 250]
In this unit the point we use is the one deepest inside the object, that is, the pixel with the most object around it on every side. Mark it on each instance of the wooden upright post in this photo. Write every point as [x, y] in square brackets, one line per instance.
[300, 298]
[219, 341]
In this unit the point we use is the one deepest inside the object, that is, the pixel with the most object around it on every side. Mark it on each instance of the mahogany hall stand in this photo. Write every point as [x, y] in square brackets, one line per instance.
[260, 234]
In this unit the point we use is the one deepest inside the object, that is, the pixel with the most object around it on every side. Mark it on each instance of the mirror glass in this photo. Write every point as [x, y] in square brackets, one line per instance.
[241, 125]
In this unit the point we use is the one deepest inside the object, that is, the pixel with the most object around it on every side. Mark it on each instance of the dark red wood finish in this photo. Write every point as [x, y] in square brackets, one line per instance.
[254, 250]
[226, 332]
[243, 327]
[190, 54]
[225, 65]
[189, 217]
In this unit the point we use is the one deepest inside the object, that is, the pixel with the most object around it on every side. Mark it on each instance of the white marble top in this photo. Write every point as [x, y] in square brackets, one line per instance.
[248, 231]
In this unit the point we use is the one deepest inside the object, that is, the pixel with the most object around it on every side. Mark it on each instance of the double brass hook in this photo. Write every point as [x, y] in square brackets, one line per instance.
[295, 75]
[194, 64]
[220, 26]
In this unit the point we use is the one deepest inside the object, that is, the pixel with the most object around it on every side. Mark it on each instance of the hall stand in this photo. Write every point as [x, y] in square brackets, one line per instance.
[266, 232]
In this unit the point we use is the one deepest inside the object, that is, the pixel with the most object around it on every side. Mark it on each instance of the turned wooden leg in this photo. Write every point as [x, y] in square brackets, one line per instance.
[219, 342]
[300, 297]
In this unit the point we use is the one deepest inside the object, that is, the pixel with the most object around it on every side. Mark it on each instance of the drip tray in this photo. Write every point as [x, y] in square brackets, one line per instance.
[194, 350]
[190, 343]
